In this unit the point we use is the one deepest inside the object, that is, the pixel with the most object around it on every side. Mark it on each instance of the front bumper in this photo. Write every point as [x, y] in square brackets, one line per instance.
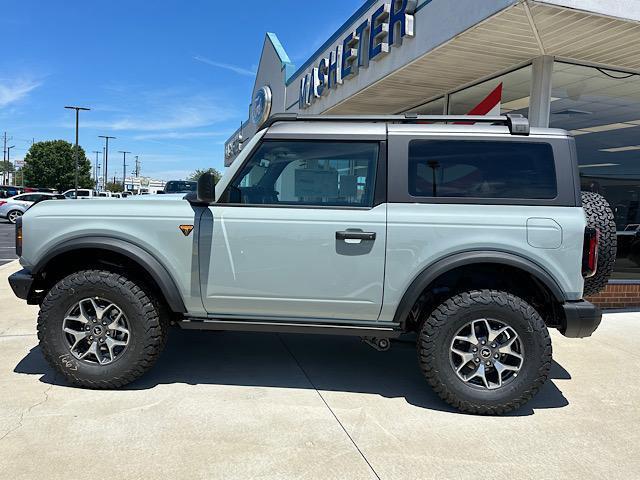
[21, 283]
[581, 319]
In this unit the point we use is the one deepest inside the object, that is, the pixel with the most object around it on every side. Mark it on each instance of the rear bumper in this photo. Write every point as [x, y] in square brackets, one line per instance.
[581, 319]
[21, 283]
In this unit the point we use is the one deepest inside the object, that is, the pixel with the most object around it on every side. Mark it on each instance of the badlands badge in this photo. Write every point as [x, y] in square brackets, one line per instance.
[186, 229]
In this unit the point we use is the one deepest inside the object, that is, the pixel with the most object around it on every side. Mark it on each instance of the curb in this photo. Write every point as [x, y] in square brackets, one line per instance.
[14, 265]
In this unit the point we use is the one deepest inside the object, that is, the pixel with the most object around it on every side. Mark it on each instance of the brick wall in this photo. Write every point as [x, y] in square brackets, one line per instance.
[617, 296]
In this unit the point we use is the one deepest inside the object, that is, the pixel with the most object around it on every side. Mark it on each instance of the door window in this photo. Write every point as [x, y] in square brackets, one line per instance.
[316, 173]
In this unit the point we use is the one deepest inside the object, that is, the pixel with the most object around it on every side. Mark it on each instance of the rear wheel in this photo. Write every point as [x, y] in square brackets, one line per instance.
[14, 215]
[100, 329]
[485, 352]
[600, 216]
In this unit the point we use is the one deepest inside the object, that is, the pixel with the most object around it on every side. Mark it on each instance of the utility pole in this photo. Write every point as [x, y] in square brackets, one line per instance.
[97, 152]
[75, 152]
[4, 155]
[124, 169]
[4, 158]
[137, 167]
[106, 159]
[104, 166]
[6, 169]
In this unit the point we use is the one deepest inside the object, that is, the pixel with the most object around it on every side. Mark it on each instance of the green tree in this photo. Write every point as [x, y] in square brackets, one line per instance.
[51, 164]
[199, 172]
[114, 187]
[7, 167]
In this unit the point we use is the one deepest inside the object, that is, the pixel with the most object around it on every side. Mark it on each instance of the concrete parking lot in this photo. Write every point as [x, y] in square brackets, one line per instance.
[7, 242]
[226, 405]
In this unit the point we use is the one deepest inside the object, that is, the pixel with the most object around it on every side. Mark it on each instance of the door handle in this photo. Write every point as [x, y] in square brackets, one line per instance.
[355, 235]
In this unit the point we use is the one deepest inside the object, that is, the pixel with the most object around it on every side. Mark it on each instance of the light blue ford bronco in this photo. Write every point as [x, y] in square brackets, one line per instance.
[469, 232]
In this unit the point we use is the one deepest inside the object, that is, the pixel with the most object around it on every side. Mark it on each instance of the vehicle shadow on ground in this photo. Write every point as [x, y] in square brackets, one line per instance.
[327, 363]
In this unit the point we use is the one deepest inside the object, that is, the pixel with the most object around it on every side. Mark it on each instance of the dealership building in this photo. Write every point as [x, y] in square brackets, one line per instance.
[571, 64]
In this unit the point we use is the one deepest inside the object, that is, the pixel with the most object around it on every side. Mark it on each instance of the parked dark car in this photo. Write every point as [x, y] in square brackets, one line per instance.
[180, 186]
[7, 191]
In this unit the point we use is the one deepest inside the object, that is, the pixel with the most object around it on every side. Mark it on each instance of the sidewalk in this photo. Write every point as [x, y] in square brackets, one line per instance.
[227, 405]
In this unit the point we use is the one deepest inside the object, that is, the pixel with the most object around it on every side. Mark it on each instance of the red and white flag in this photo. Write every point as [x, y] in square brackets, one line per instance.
[491, 105]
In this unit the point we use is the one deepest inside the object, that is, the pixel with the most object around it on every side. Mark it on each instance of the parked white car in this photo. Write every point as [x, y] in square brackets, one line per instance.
[82, 193]
[110, 195]
[13, 208]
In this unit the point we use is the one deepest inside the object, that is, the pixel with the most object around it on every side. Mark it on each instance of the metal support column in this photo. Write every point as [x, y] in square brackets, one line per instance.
[541, 85]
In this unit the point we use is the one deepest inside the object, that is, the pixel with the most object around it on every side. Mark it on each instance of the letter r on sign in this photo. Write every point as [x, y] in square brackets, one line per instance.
[402, 21]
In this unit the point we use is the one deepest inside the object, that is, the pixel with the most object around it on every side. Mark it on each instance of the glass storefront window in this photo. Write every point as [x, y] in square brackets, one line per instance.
[508, 93]
[602, 109]
[434, 107]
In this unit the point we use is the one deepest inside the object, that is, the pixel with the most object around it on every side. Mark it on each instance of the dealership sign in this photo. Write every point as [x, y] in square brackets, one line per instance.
[370, 41]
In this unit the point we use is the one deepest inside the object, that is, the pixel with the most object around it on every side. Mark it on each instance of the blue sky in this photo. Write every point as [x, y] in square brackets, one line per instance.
[170, 79]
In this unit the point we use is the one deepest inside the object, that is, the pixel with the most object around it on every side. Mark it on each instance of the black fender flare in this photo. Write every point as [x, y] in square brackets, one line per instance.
[135, 253]
[442, 266]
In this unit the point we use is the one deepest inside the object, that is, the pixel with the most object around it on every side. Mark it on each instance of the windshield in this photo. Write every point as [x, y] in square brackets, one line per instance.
[179, 186]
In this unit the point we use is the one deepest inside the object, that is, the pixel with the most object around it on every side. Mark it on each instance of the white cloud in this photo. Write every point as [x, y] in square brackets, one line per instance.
[12, 91]
[167, 111]
[226, 66]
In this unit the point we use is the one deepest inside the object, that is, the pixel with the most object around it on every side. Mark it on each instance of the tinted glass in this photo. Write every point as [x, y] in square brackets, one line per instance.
[27, 198]
[602, 109]
[180, 187]
[481, 169]
[308, 173]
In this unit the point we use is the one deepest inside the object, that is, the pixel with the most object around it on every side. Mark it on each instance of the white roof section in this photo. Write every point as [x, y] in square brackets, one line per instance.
[624, 9]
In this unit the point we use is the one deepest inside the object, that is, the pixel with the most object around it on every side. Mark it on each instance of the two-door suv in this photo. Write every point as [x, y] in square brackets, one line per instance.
[468, 231]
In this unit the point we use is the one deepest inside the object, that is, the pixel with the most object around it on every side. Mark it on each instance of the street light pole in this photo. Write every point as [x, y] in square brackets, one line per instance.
[106, 159]
[75, 153]
[4, 154]
[124, 169]
[97, 152]
[6, 167]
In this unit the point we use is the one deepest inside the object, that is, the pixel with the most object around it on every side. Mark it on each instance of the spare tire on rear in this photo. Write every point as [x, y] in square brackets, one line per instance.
[599, 215]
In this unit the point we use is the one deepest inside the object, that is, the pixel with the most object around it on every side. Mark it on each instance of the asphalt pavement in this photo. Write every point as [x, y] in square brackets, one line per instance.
[265, 406]
[7, 242]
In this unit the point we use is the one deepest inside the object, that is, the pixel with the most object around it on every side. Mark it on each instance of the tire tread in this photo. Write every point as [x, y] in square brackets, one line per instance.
[155, 326]
[599, 215]
[440, 316]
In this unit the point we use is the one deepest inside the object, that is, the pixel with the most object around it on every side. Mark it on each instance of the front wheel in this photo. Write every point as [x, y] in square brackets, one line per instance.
[485, 352]
[100, 329]
[14, 215]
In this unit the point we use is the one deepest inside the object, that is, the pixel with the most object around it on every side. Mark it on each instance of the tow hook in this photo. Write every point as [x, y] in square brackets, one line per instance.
[380, 344]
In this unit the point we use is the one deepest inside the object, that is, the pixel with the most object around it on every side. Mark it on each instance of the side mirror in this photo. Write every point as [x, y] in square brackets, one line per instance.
[207, 188]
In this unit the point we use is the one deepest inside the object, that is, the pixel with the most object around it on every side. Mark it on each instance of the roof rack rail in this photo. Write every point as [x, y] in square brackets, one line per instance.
[518, 124]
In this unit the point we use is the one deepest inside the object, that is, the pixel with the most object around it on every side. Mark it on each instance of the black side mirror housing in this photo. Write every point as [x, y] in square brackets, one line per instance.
[207, 188]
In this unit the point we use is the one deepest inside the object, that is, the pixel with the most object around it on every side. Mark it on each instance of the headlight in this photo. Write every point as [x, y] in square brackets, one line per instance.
[19, 236]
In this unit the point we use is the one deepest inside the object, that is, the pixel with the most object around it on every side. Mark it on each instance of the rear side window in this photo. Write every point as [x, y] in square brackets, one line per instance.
[27, 198]
[481, 169]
